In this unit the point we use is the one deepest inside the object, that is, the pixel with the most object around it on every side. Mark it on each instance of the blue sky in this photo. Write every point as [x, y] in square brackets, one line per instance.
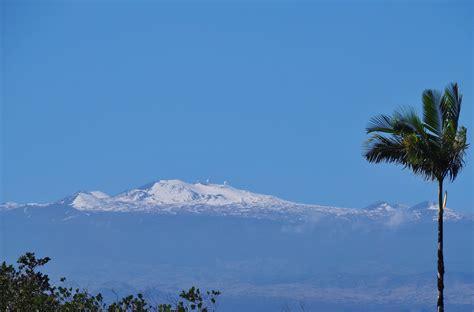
[270, 96]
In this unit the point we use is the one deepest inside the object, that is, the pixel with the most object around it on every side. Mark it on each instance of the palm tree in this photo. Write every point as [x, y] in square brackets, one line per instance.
[432, 146]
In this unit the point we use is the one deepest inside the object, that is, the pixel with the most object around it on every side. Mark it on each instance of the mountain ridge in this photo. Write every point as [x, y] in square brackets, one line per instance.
[177, 197]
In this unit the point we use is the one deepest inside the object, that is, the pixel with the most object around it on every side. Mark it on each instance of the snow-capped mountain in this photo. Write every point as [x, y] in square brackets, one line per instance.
[179, 193]
[246, 244]
[175, 196]
[178, 197]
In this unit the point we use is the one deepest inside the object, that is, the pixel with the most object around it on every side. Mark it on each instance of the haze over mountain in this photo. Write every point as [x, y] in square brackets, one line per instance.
[263, 252]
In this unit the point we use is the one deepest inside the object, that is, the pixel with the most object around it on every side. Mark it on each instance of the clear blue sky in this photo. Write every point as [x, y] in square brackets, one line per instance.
[272, 97]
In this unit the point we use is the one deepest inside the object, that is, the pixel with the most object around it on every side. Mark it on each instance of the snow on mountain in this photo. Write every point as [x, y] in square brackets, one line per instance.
[11, 206]
[382, 206]
[390, 214]
[175, 196]
[176, 192]
[429, 209]
[396, 213]
[178, 197]
[84, 200]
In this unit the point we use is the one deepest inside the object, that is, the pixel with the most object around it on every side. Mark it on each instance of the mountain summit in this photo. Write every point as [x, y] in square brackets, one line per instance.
[174, 196]
[176, 192]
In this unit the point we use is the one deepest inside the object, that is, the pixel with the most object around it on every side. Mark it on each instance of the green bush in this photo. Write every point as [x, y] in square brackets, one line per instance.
[25, 288]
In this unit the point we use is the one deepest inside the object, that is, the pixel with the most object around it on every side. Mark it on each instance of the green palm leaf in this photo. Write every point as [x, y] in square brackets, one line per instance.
[432, 112]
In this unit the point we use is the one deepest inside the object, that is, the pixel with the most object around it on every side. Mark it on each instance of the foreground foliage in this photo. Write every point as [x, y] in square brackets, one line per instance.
[25, 288]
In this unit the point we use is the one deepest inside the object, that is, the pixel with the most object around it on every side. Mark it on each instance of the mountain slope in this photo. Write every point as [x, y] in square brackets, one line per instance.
[178, 197]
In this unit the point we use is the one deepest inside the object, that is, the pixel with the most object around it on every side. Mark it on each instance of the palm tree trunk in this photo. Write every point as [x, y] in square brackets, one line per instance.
[440, 304]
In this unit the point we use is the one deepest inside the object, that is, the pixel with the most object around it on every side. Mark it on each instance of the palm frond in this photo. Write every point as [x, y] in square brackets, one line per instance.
[457, 153]
[381, 123]
[384, 149]
[432, 112]
[407, 121]
[451, 105]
